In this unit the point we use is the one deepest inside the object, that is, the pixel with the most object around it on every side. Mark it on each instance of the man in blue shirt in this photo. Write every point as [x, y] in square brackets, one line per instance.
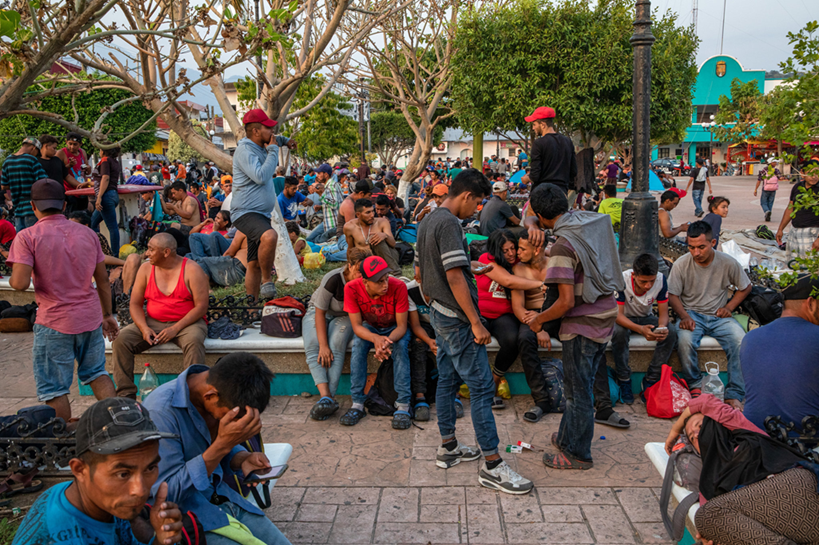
[290, 199]
[114, 469]
[214, 411]
[254, 164]
[779, 360]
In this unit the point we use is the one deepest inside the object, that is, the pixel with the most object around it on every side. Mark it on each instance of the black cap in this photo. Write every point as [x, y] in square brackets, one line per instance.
[47, 194]
[802, 289]
[115, 425]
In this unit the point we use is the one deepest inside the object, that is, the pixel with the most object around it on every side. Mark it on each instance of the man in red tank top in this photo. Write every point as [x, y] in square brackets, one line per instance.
[176, 291]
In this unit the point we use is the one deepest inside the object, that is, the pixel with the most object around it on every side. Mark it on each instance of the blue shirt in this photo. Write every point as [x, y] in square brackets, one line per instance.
[182, 465]
[780, 363]
[278, 184]
[53, 519]
[290, 207]
[253, 171]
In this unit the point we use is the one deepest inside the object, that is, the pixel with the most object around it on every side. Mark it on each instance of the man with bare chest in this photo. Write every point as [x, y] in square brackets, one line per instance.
[367, 232]
[185, 206]
[347, 210]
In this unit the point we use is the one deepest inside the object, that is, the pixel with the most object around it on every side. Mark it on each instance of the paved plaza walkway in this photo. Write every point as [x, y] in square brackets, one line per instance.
[373, 484]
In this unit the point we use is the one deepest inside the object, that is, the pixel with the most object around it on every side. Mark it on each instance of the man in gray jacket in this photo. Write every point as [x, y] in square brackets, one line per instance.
[254, 198]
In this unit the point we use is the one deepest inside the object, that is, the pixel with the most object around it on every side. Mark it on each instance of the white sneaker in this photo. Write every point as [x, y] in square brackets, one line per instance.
[505, 479]
[448, 458]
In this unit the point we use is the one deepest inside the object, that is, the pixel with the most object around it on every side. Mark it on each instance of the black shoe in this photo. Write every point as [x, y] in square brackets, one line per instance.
[767, 216]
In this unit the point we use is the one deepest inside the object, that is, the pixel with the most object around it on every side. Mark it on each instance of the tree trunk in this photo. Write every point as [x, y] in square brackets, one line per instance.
[415, 166]
[779, 149]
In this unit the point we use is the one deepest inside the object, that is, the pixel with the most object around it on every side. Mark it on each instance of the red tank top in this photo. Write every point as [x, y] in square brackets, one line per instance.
[169, 308]
[76, 170]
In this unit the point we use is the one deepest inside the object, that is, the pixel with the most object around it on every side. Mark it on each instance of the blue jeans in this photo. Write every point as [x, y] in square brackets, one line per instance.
[339, 334]
[696, 194]
[110, 201]
[24, 222]
[662, 352]
[337, 251]
[260, 526]
[319, 234]
[767, 200]
[400, 363]
[54, 354]
[729, 335]
[459, 356]
[210, 245]
[581, 359]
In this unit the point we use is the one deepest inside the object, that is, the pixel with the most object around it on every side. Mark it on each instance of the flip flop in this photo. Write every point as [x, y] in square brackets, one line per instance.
[565, 461]
[352, 417]
[401, 420]
[615, 421]
[533, 415]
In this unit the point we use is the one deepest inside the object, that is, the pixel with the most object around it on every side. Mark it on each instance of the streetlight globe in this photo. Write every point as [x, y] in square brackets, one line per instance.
[706, 125]
[712, 117]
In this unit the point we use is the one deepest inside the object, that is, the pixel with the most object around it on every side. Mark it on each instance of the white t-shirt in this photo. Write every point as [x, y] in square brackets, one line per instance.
[226, 203]
[640, 305]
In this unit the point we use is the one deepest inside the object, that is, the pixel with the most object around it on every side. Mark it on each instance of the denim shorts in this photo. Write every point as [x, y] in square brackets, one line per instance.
[54, 354]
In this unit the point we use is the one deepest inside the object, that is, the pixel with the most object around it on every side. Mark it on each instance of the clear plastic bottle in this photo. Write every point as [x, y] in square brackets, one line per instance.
[712, 384]
[148, 383]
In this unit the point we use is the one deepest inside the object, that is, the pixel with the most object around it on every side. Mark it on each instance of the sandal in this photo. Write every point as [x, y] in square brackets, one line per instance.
[422, 411]
[533, 415]
[401, 420]
[497, 403]
[555, 442]
[352, 417]
[614, 420]
[565, 461]
[18, 483]
[459, 408]
[324, 408]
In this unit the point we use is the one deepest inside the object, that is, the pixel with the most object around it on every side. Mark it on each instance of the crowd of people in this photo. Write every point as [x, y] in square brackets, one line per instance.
[544, 272]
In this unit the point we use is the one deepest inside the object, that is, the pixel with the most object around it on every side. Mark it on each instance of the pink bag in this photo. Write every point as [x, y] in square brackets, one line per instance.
[771, 184]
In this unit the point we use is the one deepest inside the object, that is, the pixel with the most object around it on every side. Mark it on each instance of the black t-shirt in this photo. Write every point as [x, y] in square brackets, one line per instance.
[494, 215]
[804, 218]
[553, 161]
[111, 167]
[55, 168]
[699, 186]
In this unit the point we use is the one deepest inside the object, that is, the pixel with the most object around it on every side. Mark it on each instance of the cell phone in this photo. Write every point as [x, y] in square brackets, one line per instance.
[266, 474]
[480, 268]
[661, 330]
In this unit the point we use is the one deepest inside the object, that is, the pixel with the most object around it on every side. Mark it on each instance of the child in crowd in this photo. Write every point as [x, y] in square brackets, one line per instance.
[717, 210]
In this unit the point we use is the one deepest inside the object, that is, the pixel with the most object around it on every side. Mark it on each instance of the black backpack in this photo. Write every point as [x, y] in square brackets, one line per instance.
[763, 305]
[406, 253]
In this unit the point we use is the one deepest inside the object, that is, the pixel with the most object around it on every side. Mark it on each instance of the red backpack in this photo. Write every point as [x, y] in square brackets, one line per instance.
[669, 397]
[282, 317]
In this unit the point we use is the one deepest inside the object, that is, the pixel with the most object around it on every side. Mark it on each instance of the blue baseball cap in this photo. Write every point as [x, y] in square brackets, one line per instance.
[325, 168]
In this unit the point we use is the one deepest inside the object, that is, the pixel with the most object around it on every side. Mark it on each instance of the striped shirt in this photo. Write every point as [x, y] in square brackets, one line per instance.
[19, 173]
[331, 199]
[594, 321]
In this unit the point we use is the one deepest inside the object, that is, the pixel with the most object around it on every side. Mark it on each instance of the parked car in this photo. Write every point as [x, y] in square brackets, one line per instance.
[670, 166]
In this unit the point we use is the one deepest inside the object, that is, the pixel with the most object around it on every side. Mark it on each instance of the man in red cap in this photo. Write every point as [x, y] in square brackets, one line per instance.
[254, 198]
[552, 158]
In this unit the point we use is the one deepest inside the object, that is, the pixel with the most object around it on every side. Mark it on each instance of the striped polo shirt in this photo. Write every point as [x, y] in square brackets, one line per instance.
[19, 174]
[594, 321]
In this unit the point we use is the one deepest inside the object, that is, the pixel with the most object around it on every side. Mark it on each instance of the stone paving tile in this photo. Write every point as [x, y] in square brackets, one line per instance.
[284, 502]
[451, 512]
[608, 523]
[652, 532]
[353, 524]
[561, 513]
[398, 505]
[545, 532]
[398, 532]
[443, 496]
[342, 496]
[520, 508]
[316, 513]
[640, 504]
[576, 496]
[481, 495]
[483, 524]
[306, 532]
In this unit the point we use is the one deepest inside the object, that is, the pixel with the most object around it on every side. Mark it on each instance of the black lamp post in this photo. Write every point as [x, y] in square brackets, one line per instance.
[639, 231]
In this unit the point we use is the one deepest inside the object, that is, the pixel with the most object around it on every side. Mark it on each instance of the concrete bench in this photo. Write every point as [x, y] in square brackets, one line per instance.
[14, 297]
[656, 453]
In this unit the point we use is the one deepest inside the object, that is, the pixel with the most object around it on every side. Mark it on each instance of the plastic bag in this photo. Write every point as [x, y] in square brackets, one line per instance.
[314, 261]
[732, 248]
[669, 397]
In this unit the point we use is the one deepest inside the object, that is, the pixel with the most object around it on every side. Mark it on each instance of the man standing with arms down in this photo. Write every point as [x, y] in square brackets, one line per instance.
[443, 257]
[553, 159]
[254, 199]
[20, 171]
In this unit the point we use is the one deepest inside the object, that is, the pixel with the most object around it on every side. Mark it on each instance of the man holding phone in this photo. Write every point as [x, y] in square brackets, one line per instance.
[214, 411]
[645, 285]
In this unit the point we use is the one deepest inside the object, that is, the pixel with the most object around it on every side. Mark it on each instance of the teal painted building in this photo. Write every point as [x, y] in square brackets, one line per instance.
[714, 79]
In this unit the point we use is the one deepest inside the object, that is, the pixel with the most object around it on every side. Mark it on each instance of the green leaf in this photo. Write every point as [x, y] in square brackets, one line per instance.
[9, 22]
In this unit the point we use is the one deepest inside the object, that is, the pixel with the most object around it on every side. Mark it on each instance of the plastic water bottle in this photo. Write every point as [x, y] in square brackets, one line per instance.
[712, 384]
[148, 382]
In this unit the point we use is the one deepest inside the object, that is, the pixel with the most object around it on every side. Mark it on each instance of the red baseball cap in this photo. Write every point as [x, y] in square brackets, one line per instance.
[544, 112]
[681, 192]
[259, 116]
[374, 268]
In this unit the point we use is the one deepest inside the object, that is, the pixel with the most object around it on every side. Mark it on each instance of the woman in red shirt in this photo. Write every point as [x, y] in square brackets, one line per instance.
[495, 300]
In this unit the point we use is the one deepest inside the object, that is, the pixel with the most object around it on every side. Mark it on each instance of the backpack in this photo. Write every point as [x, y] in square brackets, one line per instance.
[553, 373]
[763, 305]
[477, 248]
[408, 233]
[382, 396]
[684, 468]
[406, 253]
[669, 396]
[35, 421]
[764, 232]
[771, 184]
[282, 317]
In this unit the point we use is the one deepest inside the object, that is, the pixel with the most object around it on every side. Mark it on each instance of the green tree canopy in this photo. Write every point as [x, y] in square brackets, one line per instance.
[574, 56]
[86, 106]
[738, 116]
[392, 135]
[178, 149]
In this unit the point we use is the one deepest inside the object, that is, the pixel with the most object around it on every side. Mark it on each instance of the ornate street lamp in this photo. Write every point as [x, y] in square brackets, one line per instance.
[639, 231]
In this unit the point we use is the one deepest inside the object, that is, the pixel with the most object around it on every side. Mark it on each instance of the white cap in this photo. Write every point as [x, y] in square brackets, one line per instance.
[500, 187]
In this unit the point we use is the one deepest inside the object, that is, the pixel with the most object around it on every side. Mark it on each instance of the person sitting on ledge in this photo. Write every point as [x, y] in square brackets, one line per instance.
[114, 468]
[176, 290]
[214, 412]
[698, 293]
[668, 202]
[366, 232]
[185, 206]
